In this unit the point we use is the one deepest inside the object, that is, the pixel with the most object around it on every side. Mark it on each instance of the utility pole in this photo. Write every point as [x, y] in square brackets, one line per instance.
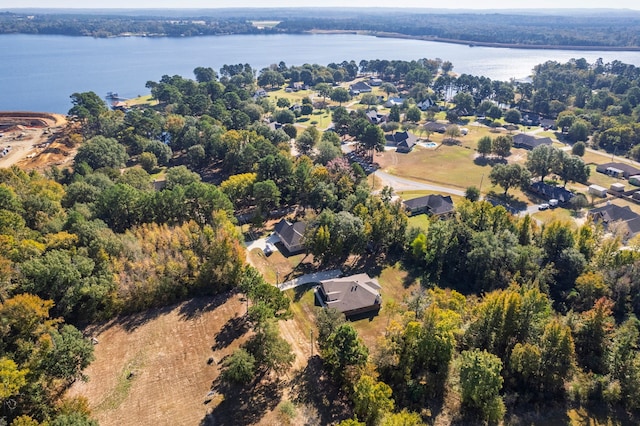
[311, 342]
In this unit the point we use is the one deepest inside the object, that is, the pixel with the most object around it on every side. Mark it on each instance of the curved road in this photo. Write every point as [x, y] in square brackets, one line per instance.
[402, 184]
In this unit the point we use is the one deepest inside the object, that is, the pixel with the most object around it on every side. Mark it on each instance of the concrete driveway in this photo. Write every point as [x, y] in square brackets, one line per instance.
[316, 277]
[261, 243]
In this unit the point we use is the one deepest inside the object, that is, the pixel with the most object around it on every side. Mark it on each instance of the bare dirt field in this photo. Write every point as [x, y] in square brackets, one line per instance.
[34, 140]
[161, 368]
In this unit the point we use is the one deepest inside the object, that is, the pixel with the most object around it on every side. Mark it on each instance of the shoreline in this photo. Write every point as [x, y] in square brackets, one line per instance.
[471, 43]
[385, 34]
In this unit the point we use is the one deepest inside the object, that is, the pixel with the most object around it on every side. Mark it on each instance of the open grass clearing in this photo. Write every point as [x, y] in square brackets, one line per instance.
[447, 165]
[146, 100]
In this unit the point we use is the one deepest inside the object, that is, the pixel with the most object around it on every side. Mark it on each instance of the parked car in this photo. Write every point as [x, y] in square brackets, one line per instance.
[543, 206]
[268, 249]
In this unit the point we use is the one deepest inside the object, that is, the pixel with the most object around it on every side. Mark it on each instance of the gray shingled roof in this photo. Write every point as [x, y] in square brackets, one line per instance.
[291, 234]
[351, 293]
[435, 204]
[527, 141]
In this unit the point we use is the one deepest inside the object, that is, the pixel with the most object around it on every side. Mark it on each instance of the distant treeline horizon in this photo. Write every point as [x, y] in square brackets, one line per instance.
[601, 28]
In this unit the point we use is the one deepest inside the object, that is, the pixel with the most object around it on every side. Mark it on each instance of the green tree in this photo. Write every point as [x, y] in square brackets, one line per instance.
[579, 130]
[324, 90]
[307, 140]
[464, 102]
[485, 146]
[148, 161]
[509, 176]
[88, 106]
[372, 399]
[327, 321]
[270, 351]
[284, 116]
[344, 352]
[239, 367]
[571, 168]
[369, 99]
[542, 160]
[593, 336]
[413, 114]
[340, 95]
[100, 152]
[502, 145]
[327, 151]
[389, 88]
[373, 139]
[494, 112]
[267, 195]
[512, 116]
[283, 103]
[69, 355]
[578, 149]
[205, 74]
[161, 150]
[481, 382]
[472, 193]
[557, 356]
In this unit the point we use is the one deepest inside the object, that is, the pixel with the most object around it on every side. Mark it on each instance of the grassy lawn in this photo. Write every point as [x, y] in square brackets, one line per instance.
[142, 100]
[277, 268]
[601, 179]
[446, 165]
[420, 221]
[396, 287]
[551, 215]
[322, 117]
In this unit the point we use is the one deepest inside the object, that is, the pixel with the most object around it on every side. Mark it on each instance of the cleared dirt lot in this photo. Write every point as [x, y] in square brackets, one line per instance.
[33, 140]
[157, 368]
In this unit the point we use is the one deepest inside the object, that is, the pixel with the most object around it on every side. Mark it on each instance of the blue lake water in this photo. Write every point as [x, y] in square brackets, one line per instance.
[39, 72]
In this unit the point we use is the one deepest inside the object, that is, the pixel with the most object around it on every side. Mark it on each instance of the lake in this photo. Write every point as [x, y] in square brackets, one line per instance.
[39, 72]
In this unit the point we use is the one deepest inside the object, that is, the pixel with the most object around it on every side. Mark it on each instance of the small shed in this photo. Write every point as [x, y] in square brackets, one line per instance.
[634, 180]
[617, 187]
[598, 190]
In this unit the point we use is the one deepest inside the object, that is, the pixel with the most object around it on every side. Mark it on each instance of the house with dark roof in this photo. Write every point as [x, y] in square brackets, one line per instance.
[434, 204]
[425, 105]
[434, 126]
[617, 170]
[550, 192]
[611, 214]
[352, 295]
[403, 141]
[359, 87]
[529, 142]
[291, 235]
[548, 123]
[375, 82]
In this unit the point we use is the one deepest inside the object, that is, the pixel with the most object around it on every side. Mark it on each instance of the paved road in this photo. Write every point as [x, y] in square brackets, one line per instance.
[310, 278]
[402, 184]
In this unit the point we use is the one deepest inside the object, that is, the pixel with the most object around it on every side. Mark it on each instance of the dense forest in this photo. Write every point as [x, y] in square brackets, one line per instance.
[511, 314]
[552, 28]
